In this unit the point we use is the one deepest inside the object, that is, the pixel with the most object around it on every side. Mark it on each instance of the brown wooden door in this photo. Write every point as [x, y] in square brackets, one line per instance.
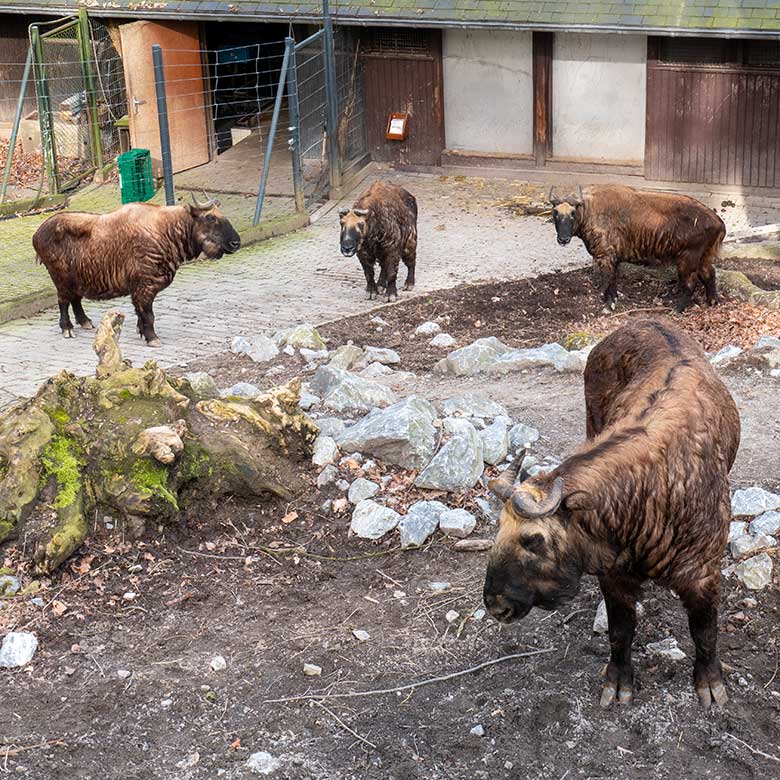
[402, 72]
[184, 86]
[712, 112]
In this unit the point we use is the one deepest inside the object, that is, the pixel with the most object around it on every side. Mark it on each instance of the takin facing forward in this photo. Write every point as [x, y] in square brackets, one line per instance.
[382, 228]
[135, 250]
[620, 224]
[647, 497]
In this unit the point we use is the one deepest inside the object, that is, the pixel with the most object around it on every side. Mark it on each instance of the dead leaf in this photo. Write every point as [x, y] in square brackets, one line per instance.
[235, 744]
[290, 517]
[59, 608]
[84, 565]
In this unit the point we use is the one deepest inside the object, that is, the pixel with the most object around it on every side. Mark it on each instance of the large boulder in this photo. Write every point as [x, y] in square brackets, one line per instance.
[495, 442]
[343, 391]
[459, 463]
[753, 501]
[522, 436]
[472, 359]
[304, 335]
[403, 434]
[388, 357]
[457, 522]
[203, 386]
[346, 356]
[519, 359]
[260, 348]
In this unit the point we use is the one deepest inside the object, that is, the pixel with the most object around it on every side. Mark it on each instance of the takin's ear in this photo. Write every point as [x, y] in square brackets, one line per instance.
[579, 501]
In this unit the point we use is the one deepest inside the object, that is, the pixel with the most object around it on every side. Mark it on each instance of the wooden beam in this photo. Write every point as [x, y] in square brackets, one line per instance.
[542, 80]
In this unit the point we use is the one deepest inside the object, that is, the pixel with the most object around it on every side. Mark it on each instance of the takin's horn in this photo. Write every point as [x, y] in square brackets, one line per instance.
[581, 196]
[552, 198]
[361, 212]
[207, 205]
[504, 486]
[344, 211]
[526, 505]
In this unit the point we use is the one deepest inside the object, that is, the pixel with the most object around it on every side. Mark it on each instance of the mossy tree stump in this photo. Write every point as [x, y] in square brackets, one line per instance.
[132, 441]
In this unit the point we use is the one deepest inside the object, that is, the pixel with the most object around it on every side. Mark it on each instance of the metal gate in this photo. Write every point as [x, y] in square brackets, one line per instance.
[67, 107]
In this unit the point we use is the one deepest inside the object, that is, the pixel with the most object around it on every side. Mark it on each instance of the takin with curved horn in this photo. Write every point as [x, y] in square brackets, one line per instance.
[645, 498]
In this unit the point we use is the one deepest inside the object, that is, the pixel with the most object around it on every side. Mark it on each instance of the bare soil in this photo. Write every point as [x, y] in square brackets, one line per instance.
[271, 586]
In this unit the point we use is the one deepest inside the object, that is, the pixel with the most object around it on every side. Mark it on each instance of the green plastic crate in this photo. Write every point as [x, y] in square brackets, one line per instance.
[135, 175]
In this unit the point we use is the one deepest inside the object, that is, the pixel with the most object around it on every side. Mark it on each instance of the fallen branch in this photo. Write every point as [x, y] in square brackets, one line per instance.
[753, 750]
[8, 750]
[344, 725]
[410, 686]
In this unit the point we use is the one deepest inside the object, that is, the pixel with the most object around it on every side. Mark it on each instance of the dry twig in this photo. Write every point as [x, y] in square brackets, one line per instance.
[754, 751]
[344, 725]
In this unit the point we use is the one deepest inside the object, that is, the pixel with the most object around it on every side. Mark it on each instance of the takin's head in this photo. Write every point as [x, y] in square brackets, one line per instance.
[533, 562]
[354, 226]
[566, 215]
[211, 231]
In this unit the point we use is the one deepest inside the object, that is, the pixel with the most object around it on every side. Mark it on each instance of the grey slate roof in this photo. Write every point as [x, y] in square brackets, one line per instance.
[715, 16]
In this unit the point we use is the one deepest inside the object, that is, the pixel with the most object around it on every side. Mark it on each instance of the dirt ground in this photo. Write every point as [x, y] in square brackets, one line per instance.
[122, 684]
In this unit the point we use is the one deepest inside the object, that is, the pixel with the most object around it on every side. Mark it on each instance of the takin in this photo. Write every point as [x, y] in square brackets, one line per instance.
[381, 228]
[135, 250]
[620, 224]
[645, 498]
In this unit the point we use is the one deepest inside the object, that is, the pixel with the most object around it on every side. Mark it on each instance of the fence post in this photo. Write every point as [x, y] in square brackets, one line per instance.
[15, 128]
[85, 39]
[162, 116]
[271, 135]
[295, 130]
[332, 101]
[44, 110]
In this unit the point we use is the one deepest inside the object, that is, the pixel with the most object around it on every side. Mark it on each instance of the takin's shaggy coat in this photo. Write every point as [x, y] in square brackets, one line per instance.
[381, 228]
[135, 250]
[647, 497]
[620, 224]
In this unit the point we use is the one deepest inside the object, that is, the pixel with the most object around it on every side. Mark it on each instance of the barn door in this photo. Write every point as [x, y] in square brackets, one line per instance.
[712, 111]
[185, 89]
[402, 73]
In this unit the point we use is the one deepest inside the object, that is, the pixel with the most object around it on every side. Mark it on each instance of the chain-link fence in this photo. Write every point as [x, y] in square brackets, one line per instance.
[95, 98]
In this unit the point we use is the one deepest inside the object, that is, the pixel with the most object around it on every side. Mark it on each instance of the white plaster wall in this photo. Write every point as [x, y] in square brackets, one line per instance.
[599, 88]
[488, 91]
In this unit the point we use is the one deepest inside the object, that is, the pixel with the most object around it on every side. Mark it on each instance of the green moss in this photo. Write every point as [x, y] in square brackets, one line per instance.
[151, 478]
[62, 458]
[59, 417]
[578, 340]
[195, 463]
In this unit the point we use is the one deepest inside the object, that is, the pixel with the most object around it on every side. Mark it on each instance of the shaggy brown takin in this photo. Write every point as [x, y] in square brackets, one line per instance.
[620, 224]
[646, 497]
[135, 250]
[381, 228]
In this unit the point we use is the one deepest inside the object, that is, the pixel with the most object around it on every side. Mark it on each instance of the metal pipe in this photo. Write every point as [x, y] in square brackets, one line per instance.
[295, 129]
[162, 116]
[17, 122]
[271, 134]
[310, 39]
[85, 39]
[332, 100]
[48, 146]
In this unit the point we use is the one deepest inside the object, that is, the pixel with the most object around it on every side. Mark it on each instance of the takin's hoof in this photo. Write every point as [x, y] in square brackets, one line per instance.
[613, 692]
[371, 295]
[408, 287]
[87, 325]
[391, 298]
[714, 692]
[67, 333]
[154, 343]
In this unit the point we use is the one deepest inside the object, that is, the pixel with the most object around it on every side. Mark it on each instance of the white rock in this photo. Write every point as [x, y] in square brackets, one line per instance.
[577, 359]
[360, 635]
[342, 390]
[478, 614]
[372, 521]
[18, 649]
[310, 355]
[439, 587]
[308, 400]
[289, 350]
[774, 373]
[327, 476]
[666, 648]
[745, 544]
[262, 763]
[490, 507]
[519, 359]
[218, 664]
[495, 442]
[361, 489]
[380, 355]
[473, 405]
[443, 340]
[9, 585]
[768, 523]
[420, 521]
[737, 528]
[601, 621]
[312, 670]
[477, 731]
[325, 450]
[472, 359]
[522, 436]
[260, 348]
[457, 522]
[346, 356]
[427, 329]
[305, 336]
[241, 390]
[342, 485]
[374, 370]
[756, 572]
[452, 616]
[767, 341]
[377, 320]
[124, 674]
[753, 501]
[331, 426]
[724, 355]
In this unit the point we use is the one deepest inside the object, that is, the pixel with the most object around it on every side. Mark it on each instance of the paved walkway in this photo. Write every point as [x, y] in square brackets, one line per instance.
[463, 236]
